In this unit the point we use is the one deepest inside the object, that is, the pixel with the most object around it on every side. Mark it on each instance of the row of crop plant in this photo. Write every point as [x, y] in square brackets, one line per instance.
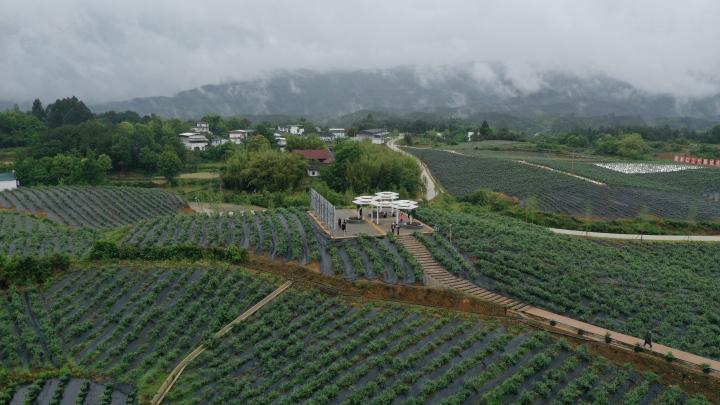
[305, 347]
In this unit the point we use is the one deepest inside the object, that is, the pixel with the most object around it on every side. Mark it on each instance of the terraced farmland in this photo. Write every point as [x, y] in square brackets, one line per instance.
[556, 192]
[306, 347]
[284, 234]
[631, 287]
[93, 207]
[24, 235]
[66, 390]
[132, 325]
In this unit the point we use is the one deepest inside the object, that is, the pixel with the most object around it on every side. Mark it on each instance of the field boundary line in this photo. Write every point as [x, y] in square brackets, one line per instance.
[589, 180]
[638, 237]
[177, 371]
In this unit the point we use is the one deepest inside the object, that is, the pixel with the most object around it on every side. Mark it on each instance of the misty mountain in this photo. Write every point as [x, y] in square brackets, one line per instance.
[452, 91]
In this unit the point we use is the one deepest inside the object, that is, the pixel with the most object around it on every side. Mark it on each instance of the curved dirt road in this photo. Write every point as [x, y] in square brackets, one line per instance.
[431, 188]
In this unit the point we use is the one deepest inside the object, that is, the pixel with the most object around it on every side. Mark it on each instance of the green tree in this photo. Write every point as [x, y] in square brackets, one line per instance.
[264, 170]
[37, 110]
[304, 142]
[67, 111]
[607, 145]
[258, 143]
[485, 130]
[632, 146]
[169, 165]
[148, 160]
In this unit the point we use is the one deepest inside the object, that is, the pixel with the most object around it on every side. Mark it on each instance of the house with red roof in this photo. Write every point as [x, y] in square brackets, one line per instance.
[317, 157]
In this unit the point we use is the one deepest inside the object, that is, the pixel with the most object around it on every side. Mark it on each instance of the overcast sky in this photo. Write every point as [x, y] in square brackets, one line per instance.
[102, 50]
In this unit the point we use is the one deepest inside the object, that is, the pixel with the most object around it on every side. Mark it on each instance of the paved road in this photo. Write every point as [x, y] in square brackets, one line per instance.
[431, 188]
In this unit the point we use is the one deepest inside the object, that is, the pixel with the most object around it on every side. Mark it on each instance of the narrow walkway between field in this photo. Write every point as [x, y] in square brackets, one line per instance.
[437, 276]
[595, 182]
[177, 371]
[638, 237]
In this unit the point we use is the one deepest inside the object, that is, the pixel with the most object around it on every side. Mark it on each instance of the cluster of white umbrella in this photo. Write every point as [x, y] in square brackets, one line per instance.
[386, 199]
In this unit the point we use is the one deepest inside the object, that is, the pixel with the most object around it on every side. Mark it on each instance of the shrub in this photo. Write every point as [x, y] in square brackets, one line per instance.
[234, 254]
[22, 270]
[104, 250]
[705, 368]
[608, 338]
[669, 357]
[553, 322]
[637, 348]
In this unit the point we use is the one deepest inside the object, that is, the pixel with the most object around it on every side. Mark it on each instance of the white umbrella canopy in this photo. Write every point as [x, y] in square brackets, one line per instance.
[364, 200]
[403, 205]
[387, 195]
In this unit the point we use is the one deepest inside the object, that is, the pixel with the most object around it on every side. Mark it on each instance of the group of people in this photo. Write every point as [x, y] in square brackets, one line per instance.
[395, 228]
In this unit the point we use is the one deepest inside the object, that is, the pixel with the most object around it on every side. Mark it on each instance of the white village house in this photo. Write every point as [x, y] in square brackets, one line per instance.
[377, 136]
[238, 136]
[8, 181]
[291, 129]
[197, 138]
[338, 133]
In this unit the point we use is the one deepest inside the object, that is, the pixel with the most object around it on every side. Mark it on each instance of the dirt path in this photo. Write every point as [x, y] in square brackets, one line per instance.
[437, 276]
[595, 182]
[626, 236]
[177, 371]
[432, 187]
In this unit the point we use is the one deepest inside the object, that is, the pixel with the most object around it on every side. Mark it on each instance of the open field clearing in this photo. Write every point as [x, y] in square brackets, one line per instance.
[309, 348]
[557, 192]
[283, 234]
[24, 235]
[631, 287]
[130, 324]
[93, 207]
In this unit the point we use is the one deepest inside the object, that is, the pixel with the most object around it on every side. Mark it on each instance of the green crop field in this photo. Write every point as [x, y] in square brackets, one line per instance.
[109, 333]
[630, 287]
[94, 207]
[678, 195]
[133, 325]
[24, 235]
[313, 349]
[284, 234]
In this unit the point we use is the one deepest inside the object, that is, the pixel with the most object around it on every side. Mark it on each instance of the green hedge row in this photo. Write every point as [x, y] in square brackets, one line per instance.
[31, 269]
[104, 250]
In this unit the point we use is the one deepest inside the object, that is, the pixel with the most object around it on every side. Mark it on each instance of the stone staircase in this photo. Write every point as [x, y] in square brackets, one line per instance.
[437, 276]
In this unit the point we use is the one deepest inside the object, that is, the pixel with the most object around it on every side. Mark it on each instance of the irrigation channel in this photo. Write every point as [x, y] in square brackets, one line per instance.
[177, 371]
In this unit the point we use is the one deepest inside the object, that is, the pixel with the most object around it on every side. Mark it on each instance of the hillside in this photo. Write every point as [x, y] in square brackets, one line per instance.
[457, 91]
